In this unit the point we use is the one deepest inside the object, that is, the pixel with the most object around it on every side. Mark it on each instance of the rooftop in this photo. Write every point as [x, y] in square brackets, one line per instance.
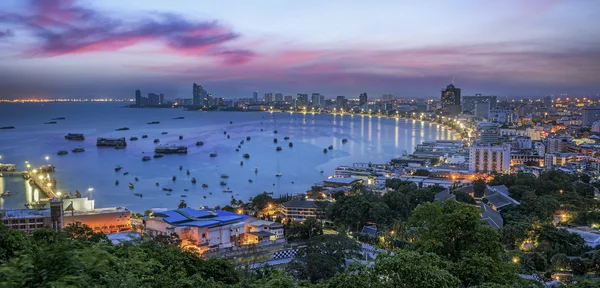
[198, 218]
[300, 204]
[24, 213]
[342, 180]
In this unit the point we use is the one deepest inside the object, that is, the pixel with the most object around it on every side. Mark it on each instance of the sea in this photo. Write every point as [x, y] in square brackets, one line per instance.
[370, 139]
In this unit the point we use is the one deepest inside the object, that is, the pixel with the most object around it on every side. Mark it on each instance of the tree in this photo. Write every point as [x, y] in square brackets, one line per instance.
[323, 257]
[12, 242]
[479, 186]
[464, 197]
[559, 262]
[422, 172]
[261, 201]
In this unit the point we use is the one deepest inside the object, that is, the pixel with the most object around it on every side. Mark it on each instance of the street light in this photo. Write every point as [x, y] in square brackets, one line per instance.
[47, 158]
[58, 193]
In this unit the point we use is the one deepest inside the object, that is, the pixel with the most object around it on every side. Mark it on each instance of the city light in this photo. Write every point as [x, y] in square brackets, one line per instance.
[49, 184]
[47, 158]
[58, 193]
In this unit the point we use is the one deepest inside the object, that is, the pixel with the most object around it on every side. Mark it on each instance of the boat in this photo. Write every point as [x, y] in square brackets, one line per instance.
[130, 185]
[180, 137]
[250, 180]
[158, 155]
[256, 170]
[174, 178]
[136, 179]
[146, 158]
[248, 138]
[204, 186]
[286, 138]
[186, 190]
[116, 182]
[169, 194]
[78, 150]
[213, 154]
[194, 181]
[126, 173]
[7, 127]
[275, 131]
[224, 132]
[278, 148]
[177, 118]
[144, 136]
[111, 142]
[325, 150]
[170, 149]
[199, 143]
[183, 195]
[119, 147]
[261, 129]
[164, 133]
[138, 194]
[222, 183]
[291, 144]
[241, 163]
[187, 172]
[133, 138]
[279, 174]
[228, 136]
[330, 147]
[118, 168]
[230, 122]
[242, 142]
[180, 168]
[51, 122]
[154, 122]
[156, 184]
[321, 171]
[227, 190]
[62, 152]
[59, 118]
[237, 149]
[6, 193]
[246, 156]
[74, 136]
[156, 140]
[122, 129]
[344, 141]
[204, 197]
[167, 189]
[224, 176]
[275, 140]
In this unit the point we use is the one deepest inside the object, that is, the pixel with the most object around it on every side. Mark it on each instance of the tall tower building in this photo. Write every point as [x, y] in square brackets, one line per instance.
[268, 97]
[138, 97]
[255, 96]
[199, 95]
[451, 100]
[279, 97]
[316, 99]
[362, 99]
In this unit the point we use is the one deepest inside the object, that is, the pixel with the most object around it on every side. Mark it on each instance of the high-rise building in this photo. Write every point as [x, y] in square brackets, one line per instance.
[362, 99]
[302, 99]
[153, 99]
[200, 96]
[255, 96]
[387, 97]
[288, 99]
[161, 99]
[482, 109]
[138, 97]
[590, 115]
[316, 99]
[451, 100]
[341, 102]
[268, 97]
[322, 100]
[278, 97]
[488, 159]
[548, 102]
[468, 102]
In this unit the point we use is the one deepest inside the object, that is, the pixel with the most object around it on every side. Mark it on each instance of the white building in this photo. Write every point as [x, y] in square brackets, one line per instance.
[523, 142]
[489, 158]
[596, 127]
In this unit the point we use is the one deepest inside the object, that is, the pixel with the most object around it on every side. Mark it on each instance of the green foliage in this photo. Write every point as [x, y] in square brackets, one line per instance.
[303, 230]
[479, 186]
[464, 197]
[559, 262]
[261, 201]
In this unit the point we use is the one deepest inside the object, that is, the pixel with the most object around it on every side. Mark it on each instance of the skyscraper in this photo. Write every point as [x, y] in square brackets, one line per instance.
[255, 96]
[138, 97]
[362, 99]
[161, 99]
[451, 100]
[341, 102]
[153, 99]
[278, 97]
[387, 97]
[302, 99]
[316, 99]
[322, 99]
[289, 99]
[199, 95]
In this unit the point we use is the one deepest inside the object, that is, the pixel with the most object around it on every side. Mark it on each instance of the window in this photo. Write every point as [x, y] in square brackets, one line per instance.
[203, 235]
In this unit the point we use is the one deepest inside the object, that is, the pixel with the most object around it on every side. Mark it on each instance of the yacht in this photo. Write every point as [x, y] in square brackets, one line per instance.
[133, 138]
[130, 185]
[170, 149]
[77, 150]
[111, 141]
[242, 142]
[224, 176]
[325, 150]
[187, 172]
[118, 168]
[199, 143]
[291, 144]
[278, 148]
[62, 152]
[126, 173]
[146, 158]
[250, 180]
[158, 155]
[248, 138]
[144, 136]
[136, 179]
[286, 138]
[279, 174]
[193, 180]
[256, 170]
[59, 118]
[74, 136]
[204, 186]
[174, 178]
[241, 163]
[275, 131]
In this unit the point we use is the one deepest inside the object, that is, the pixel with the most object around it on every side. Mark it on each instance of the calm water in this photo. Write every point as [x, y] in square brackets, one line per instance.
[370, 139]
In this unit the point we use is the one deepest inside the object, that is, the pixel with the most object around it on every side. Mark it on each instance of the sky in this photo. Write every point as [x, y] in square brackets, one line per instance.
[109, 48]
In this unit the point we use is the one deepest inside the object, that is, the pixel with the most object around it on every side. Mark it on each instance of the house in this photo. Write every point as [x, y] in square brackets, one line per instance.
[369, 229]
[497, 197]
[300, 210]
[338, 182]
[491, 216]
[259, 231]
[444, 195]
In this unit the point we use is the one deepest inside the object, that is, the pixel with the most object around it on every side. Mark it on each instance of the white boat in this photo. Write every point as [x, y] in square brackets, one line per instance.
[6, 193]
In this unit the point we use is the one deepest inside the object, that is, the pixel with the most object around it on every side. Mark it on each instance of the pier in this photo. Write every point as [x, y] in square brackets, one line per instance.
[45, 183]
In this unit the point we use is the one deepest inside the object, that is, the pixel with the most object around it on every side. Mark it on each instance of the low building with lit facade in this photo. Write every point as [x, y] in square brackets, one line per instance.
[488, 159]
[300, 210]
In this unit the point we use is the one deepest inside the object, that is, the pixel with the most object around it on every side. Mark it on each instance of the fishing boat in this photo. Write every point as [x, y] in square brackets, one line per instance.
[133, 138]
[116, 182]
[146, 158]
[248, 138]
[275, 140]
[325, 150]
[213, 154]
[204, 197]
[237, 149]
[321, 171]
[174, 178]
[330, 147]
[51, 122]
[186, 190]
[176, 118]
[136, 179]
[241, 163]
[74, 136]
[164, 133]
[204, 186]
[78, 150]
[250, 180]
[122, 129]
[344, 141]
[118, 168]
[6, 193]
[223, 183]
[156, 140]
[170, 149]
[62, 152]
[187, 172]
[158, 155]
[291, 144]
[286, 138]
[126, 173]
[224, 132]
[154, 122]
[138, 194]
[275, 131]
[278, 148]
[144, 136]
[199, 143]
[167, 189]
[180, 137]
[246, 156]
[131, 185]
[224, 176]
[227, 190]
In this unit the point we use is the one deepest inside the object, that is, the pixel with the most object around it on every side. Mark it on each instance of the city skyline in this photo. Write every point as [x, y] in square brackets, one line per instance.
[81, 49]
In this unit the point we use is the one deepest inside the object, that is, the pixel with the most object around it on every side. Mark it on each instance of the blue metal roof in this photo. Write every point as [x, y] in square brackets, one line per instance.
[199, 218]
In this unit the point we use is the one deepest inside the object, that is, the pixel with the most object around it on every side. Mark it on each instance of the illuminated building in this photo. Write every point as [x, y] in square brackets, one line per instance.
[489, 159]
[199, 95]
[451, 100]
